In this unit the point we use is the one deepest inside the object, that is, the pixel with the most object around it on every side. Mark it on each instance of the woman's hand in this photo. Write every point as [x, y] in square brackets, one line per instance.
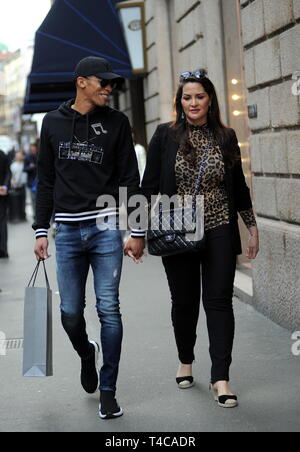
[253, 243]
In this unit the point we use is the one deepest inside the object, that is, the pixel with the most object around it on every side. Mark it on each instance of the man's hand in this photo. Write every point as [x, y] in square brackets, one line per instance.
[41, 248]
[134, 248]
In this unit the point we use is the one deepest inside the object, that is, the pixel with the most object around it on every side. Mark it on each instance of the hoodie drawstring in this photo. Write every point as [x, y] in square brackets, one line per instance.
[88, 131]
[73, 130]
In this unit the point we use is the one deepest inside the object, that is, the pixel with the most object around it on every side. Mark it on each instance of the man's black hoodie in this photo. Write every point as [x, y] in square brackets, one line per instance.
[82, 157]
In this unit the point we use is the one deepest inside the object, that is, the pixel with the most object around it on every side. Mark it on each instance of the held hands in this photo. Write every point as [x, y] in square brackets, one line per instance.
[134, 248]
[41, 248]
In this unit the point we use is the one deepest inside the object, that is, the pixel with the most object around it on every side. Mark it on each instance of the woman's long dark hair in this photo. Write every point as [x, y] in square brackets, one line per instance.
[219, 131]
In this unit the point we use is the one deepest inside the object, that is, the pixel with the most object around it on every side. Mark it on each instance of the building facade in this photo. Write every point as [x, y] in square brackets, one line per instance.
[271, 37]
[4, 55]
[14, 68]
[251, 51]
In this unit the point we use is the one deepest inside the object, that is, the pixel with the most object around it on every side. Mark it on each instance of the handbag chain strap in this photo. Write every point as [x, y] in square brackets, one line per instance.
[202, 167]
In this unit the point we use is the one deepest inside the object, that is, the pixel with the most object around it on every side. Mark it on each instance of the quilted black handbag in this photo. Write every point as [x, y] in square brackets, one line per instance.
[180, 229]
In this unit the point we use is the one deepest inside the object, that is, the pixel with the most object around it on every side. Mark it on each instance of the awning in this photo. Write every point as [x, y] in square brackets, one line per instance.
[72, 30]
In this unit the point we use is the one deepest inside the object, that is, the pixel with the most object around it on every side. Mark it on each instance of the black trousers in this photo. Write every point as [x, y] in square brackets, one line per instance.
[17, 205]
[3, 225]
[217, 265]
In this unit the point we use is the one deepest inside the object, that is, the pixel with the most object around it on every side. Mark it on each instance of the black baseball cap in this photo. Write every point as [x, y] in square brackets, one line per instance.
[96, 66]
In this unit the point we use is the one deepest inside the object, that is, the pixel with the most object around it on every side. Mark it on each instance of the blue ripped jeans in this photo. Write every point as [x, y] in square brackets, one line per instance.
[79, 246]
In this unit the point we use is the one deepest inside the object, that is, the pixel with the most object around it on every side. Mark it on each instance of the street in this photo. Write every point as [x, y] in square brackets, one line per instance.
[265, 373]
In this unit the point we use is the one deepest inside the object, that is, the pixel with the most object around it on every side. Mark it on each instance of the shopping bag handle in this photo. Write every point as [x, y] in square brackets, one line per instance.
[35, 273]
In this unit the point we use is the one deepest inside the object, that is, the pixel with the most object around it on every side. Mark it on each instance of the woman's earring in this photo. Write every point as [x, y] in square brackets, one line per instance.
[183, 115]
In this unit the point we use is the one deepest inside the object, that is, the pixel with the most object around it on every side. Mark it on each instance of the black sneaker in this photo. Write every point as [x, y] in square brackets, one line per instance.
[89, 370]
[109, 408]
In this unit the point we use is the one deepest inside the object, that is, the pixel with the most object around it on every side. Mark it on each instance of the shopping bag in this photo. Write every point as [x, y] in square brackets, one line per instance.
[37, 348]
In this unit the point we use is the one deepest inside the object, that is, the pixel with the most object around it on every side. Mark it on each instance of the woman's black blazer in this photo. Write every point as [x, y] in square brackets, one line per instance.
[159, 176]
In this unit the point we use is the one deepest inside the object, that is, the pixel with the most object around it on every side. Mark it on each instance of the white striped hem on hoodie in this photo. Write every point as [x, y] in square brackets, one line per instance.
[86, 216]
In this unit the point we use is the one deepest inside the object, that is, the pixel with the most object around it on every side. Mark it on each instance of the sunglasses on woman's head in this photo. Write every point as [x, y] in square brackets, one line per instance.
[197, 74]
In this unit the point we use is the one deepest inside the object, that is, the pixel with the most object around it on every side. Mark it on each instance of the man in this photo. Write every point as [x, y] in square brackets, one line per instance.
[17, 199]
[86, 151]
[5, 176]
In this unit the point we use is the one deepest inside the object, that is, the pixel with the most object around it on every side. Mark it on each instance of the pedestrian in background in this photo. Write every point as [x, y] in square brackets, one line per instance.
[173, 160]
[11, 155]
[5, 176]
[17, 198]
[86, 150]
[30, 167]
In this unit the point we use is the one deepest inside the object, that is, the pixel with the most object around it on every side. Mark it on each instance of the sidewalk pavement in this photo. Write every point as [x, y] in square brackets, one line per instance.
[265, 373]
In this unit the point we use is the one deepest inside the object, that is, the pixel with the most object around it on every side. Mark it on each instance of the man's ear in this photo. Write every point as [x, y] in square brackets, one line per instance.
[81, 82]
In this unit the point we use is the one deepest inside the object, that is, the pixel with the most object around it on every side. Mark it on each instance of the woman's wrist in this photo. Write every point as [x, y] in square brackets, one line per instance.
[253, 231]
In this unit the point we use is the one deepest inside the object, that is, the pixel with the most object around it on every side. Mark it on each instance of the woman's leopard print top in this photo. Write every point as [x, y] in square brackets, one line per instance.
[216, 210]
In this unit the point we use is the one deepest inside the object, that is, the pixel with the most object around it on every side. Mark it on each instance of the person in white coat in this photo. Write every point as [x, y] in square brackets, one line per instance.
[140, 155]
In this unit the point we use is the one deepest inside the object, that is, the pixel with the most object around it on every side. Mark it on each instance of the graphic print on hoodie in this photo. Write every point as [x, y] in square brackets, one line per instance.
[82, 157]
[84, 151]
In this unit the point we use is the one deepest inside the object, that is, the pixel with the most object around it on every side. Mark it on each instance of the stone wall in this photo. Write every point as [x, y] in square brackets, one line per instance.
[271, 38]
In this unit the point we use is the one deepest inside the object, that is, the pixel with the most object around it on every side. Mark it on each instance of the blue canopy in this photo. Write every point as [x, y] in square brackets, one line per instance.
[72, 30]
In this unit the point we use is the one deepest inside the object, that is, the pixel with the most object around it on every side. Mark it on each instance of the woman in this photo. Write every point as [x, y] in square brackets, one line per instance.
[174, 156]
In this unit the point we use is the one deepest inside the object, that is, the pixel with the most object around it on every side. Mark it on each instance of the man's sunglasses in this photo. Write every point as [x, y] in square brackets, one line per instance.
[103, 83]
[197, 74]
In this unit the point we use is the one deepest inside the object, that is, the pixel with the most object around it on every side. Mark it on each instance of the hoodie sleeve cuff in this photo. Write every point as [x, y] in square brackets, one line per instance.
[41, 233]
[138, 233]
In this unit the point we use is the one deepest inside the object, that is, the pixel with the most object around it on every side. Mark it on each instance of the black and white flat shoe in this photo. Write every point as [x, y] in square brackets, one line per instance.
[224, 401]
[185, 382]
